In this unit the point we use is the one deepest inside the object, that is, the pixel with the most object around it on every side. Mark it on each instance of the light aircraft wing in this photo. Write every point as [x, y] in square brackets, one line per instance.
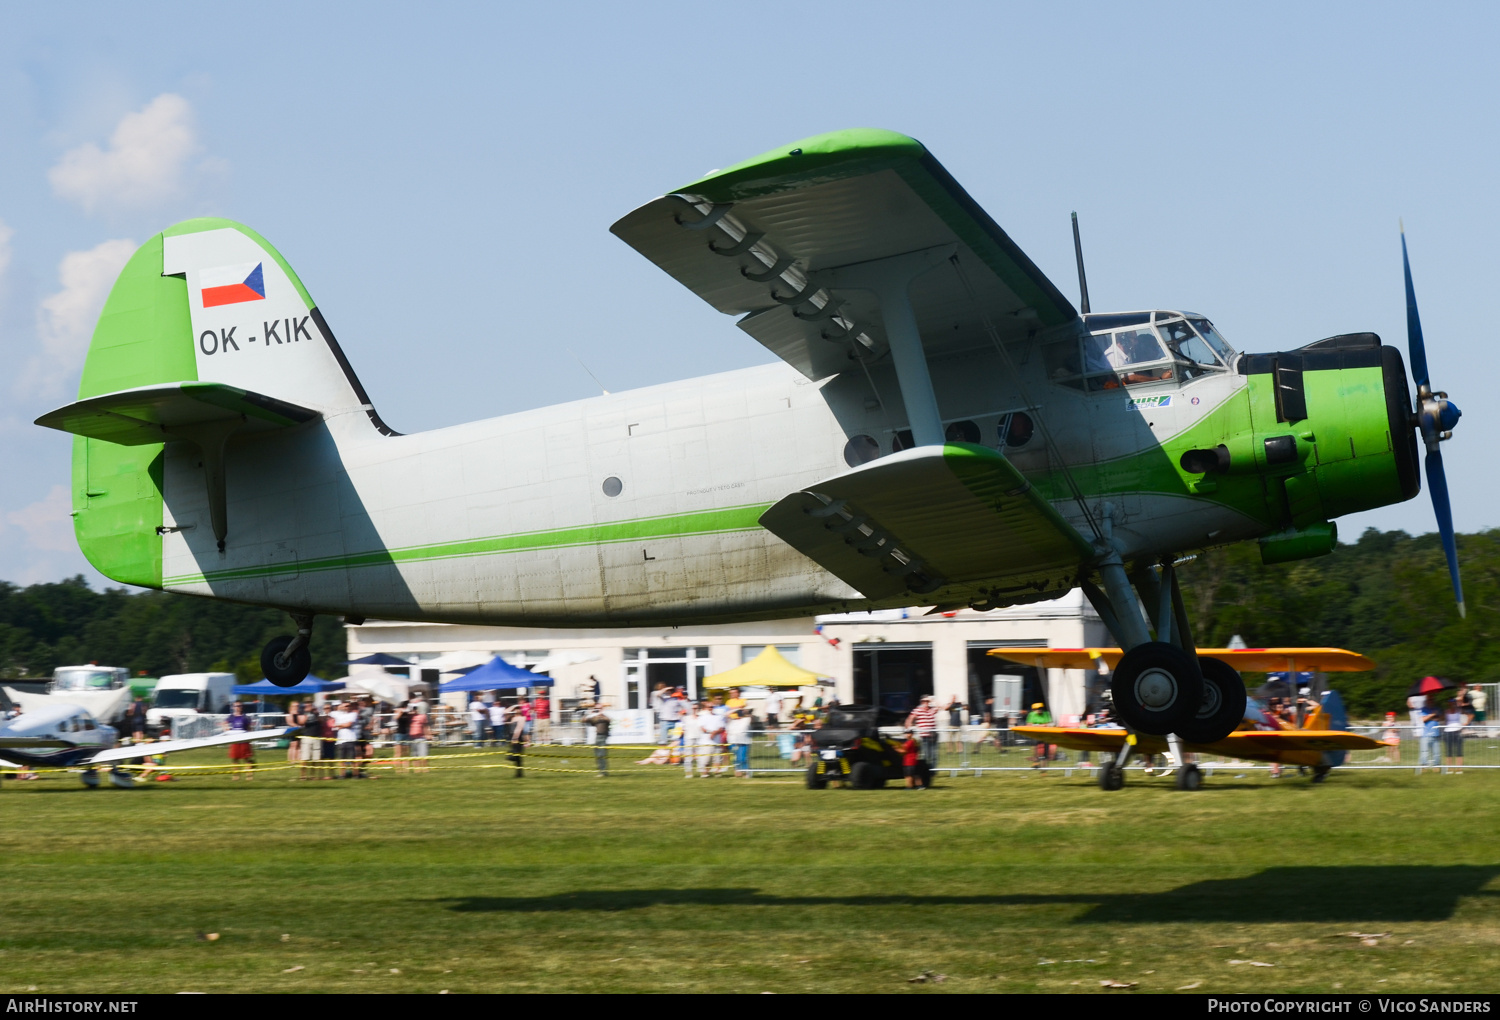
[957, 522]
[1288, 746]
[173, 746]
[1326, 660]
[1080, 739]
[752, 240]
[149, 414]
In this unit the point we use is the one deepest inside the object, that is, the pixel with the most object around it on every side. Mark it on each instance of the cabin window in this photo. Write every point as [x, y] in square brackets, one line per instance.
[962, 432]
[860, 450]
[1016, 429]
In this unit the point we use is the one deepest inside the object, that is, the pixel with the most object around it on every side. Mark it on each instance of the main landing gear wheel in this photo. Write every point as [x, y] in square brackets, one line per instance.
[282, 669]
[1156, 688]
[1111, 776]
[1223, 705]
[1189, 777]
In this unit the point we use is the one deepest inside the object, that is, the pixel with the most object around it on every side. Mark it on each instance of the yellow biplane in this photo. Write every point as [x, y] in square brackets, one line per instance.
[1319, 741]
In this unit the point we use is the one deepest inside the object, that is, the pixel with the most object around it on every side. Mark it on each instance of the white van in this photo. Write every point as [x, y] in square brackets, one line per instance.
[190, 694]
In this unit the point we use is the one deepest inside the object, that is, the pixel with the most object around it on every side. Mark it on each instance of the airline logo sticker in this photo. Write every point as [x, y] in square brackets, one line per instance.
[1165, 400]
[232, 285]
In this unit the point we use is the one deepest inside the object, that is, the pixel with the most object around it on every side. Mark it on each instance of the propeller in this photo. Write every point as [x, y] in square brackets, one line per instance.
[1434, 418]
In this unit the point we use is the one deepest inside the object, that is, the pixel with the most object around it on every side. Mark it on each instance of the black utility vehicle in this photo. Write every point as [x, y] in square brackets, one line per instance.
[848, 747]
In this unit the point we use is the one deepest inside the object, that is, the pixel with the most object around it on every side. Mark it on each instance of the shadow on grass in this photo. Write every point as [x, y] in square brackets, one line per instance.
[1348, 895]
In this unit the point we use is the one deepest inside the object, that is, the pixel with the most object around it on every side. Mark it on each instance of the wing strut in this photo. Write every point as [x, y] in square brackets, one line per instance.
[890, 280]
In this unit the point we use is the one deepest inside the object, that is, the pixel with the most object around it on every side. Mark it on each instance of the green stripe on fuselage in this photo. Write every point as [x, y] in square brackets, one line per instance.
[703, 522]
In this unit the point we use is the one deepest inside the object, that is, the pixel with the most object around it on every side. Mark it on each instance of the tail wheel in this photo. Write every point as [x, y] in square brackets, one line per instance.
[1111, 776]
[1223, 705]
[1189, 777]
[281, 669]
[1156, 688]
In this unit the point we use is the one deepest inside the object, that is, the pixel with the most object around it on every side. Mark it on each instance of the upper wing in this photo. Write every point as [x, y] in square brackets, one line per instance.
[753, 240]
[1327, 660]
[156, 414]
[957, 523]
[172, 746]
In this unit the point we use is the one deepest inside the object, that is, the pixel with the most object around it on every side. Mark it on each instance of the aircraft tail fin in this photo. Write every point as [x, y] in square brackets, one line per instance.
[206, 323]
[1338, 719]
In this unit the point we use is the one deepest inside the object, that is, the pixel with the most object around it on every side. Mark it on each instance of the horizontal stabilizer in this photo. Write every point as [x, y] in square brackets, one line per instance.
[957, 523]
[156, 414]
[172, 746]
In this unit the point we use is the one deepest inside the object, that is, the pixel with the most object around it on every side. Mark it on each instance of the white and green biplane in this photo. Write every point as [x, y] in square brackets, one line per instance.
[942, 427]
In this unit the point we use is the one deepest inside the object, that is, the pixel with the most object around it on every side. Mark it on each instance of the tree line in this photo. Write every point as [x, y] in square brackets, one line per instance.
[1386, 595]
[152, 633]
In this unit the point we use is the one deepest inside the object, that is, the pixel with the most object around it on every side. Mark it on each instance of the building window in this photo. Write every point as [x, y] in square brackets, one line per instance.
[791, 653]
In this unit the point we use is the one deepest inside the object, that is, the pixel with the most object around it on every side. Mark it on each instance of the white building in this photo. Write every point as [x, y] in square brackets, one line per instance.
[891, 657]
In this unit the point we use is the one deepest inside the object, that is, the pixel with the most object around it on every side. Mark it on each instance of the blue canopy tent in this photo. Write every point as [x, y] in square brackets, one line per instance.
[497, 675]
[265, 688]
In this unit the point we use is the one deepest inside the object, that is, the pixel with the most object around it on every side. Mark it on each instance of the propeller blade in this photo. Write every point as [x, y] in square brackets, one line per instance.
[1437, 484]
[1415, 348]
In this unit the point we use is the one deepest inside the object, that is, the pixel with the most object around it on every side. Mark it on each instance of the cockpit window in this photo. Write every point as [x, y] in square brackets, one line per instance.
[1124, 357]
[1188, 347]
[1218, 343]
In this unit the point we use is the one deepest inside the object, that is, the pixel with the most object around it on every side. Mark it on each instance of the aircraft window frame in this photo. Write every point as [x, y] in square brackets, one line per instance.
[1128, 367]
[1210, 335]
[1190, 365]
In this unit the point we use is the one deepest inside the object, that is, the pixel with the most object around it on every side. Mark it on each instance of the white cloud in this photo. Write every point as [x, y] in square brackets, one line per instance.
[145, 163]
[65, 320]
[48, 522]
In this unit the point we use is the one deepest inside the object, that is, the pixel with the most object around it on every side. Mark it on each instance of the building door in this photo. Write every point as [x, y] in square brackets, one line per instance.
[674, 667]
[894, 676]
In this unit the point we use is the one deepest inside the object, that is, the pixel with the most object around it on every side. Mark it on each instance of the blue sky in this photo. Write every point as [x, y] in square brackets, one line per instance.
[443, 179]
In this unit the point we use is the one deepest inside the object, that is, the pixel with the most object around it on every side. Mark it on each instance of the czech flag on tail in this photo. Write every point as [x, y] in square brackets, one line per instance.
[231, 285]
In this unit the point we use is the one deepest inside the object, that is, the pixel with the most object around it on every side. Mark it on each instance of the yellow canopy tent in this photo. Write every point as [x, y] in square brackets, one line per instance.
[768, 669]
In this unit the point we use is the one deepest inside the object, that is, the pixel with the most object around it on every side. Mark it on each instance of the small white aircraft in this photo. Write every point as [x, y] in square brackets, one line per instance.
[67, 736]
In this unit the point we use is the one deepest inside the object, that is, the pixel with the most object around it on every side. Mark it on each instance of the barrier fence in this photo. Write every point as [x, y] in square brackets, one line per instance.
[966, 751]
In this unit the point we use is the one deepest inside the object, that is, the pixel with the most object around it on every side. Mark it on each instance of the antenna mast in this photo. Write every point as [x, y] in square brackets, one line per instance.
[1083, 282]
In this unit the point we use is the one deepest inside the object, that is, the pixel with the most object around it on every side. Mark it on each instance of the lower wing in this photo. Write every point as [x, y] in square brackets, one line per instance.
[173, 746]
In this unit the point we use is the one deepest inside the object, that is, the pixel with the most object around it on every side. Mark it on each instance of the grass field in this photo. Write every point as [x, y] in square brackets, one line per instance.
[469, 880]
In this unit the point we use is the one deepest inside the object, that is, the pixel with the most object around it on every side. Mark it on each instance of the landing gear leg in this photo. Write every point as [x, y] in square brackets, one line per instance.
[1157, 686]
[285, 661]
[1112, 772]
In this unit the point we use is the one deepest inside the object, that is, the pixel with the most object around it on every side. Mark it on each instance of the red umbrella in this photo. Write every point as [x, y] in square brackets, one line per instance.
[1431, 685]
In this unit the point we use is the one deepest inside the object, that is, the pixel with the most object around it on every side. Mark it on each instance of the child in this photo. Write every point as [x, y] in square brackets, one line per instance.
[911, 757]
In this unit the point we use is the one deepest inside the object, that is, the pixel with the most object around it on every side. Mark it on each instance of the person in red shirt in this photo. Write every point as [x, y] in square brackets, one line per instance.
[911, 757]
[541, 718]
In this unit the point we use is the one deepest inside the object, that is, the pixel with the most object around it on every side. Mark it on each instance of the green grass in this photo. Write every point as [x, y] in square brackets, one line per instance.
[472, 881]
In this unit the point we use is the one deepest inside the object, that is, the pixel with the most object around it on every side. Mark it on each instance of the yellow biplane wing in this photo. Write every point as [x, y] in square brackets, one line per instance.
[1264, 660]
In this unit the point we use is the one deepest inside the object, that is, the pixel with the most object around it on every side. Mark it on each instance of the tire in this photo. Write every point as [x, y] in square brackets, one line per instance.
[1320, 773]
[1189, 777]
[814, 780]
[866, 776]
[1111, 777]
[1156, 688]
[1223, 705]
[287, 673]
